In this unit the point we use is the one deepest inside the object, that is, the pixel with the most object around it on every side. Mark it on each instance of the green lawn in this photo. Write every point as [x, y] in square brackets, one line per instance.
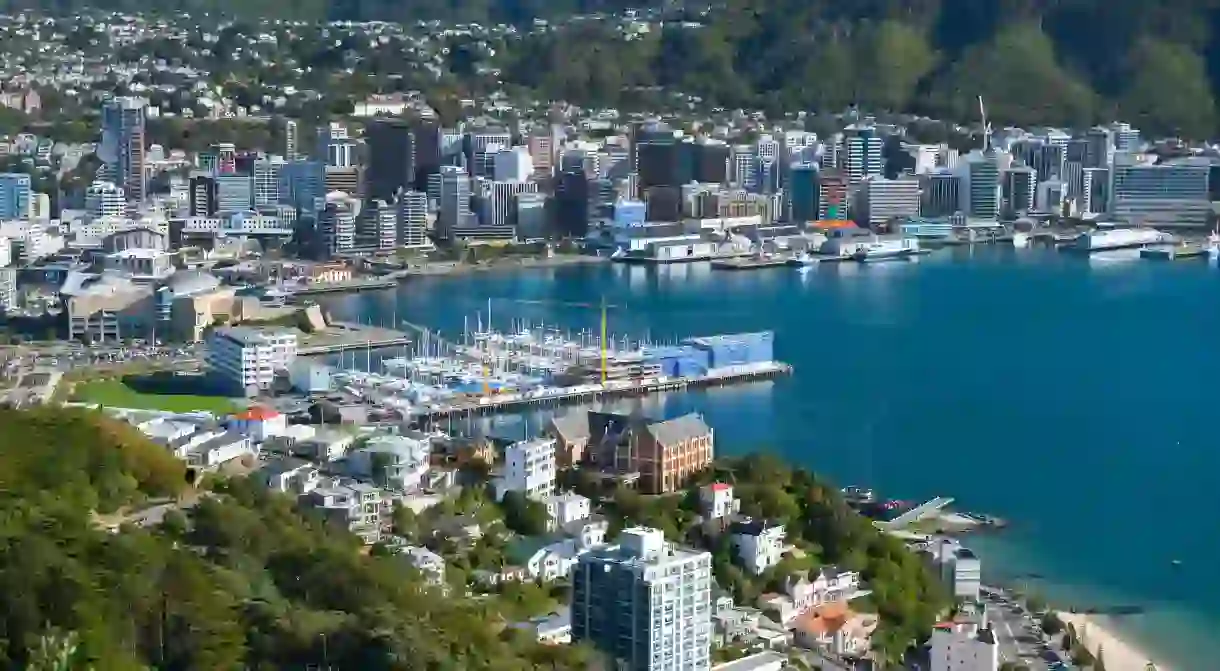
[116, 394]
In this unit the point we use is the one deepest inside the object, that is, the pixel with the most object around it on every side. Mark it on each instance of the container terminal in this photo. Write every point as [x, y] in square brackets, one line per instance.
[491, 371]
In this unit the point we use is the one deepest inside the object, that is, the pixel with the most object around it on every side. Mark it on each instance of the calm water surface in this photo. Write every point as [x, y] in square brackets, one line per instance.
[1074, 397]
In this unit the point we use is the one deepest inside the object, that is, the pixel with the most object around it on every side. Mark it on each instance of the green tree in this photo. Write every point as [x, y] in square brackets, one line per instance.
[1048, 94]
[524, 515]
[1168, 91]
[894, 58]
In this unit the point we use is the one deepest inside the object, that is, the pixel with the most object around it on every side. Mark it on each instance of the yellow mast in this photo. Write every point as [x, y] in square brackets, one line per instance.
[603, 340]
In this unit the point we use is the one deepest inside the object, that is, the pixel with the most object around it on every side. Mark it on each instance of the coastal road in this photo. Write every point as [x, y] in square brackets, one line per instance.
[1016, 636]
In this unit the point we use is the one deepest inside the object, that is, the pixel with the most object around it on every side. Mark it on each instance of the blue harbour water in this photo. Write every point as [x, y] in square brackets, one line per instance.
[1074, 397]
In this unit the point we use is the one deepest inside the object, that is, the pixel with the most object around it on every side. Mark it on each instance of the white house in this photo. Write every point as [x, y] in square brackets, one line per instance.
[259, 423]
[529, 468]
[289, 476]
[803, 593]
[759, 543]
[554, 560]
[965, 644]
[397, 462]
[218, 449]
[430, 564]
[717, 501]
[553, 629]
[566, 508]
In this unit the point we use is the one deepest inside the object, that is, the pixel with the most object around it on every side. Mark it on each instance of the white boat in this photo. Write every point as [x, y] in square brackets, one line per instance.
[804, 260]
[1020, 240]
[1213, 245]
[885, 249]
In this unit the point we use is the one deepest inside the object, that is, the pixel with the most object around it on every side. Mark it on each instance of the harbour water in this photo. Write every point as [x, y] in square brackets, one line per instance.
[1072, 396]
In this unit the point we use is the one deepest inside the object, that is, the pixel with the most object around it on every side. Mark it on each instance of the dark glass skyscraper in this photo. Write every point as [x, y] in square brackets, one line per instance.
[391, 158]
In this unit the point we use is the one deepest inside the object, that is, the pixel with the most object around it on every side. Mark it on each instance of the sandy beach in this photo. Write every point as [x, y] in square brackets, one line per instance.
[1119, 655]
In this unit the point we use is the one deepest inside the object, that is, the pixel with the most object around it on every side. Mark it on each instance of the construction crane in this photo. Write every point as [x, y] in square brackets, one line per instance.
[986, 126]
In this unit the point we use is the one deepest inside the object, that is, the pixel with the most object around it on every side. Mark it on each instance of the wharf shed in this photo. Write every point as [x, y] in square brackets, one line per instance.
[736, 349]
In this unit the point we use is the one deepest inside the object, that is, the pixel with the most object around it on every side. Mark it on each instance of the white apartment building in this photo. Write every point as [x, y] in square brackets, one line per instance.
[965, 644]
[566, 508]
[665, 588]
[959, 568]
[529, 468]
[248, 357]
[760, 544]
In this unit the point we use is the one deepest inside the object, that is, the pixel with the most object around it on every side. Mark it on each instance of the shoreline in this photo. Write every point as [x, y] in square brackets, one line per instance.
[1119, 654]
[526, 263]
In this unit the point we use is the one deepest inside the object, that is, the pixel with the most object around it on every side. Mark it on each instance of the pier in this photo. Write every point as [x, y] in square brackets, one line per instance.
[755, 263]
[370, 284]
[614, 389]
[915, 514]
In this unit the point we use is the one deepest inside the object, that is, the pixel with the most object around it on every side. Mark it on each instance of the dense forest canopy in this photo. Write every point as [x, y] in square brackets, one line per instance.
[240, 581]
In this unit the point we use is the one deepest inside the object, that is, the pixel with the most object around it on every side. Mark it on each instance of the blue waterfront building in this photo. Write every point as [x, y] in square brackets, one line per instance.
[629, 213]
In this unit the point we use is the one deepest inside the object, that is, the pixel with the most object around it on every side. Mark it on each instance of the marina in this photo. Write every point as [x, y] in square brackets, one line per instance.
[489, 371]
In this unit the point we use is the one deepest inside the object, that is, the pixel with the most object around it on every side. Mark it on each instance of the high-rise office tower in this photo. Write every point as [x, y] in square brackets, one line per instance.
[711, 162]
[1019, 185]
[863, 157]
[832, 196]
[413, 219]
[1168, 194]
[377, 227]
[14, 196]
[572, 204]
[454, 200]
[337, 225]
[802, 193]
[265, 173]
[234, 193]
[348, 180]
[391, 147]
[335, 148]
[426, 142]
[226, 157]
[741, 166]
[203, 195]
[529, 216]
[541, 147]
[104, 199]
[1126, 138]
[983, 176]
[1099, 147]
[290, 140]
[941, 195]
[302, 185]
[1095, 196]
[122, 147]
[499, 200]
[513, 165]
[883, 200]
[645, 602]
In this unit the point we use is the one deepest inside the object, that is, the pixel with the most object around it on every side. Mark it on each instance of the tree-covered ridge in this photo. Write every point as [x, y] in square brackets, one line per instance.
[242, 581]
[1035, 63]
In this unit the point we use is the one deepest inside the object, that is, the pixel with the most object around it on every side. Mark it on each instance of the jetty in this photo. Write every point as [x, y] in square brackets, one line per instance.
[750, 263]
[349, 286]
[1174, 252]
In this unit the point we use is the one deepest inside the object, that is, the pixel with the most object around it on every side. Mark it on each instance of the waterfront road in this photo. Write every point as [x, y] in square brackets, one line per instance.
[1017, 634]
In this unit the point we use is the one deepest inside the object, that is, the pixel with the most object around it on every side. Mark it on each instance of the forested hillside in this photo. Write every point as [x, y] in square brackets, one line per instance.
[242, 582]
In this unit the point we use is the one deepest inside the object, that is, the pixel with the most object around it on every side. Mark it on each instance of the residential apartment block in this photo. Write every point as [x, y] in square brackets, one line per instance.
[645, 602]
[247, 358]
